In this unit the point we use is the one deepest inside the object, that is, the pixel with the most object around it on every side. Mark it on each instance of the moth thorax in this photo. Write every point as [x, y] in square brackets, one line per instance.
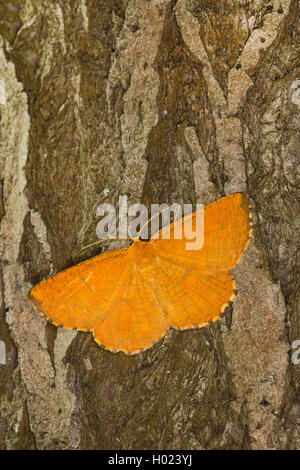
[143, 254]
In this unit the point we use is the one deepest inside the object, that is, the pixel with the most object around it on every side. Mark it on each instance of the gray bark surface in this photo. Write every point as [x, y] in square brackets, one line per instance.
[165, 101]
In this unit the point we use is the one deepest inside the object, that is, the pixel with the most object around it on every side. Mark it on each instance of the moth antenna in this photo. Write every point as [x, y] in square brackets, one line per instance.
[105, 239]
[153, 217]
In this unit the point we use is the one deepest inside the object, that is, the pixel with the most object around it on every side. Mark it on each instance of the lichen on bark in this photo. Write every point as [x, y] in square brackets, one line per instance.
[164, 101]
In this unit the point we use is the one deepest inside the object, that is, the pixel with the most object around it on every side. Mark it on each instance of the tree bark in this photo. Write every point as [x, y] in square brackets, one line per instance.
[165, 101]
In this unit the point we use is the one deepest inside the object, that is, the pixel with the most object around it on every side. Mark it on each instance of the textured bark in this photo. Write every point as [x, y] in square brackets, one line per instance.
[164, 101]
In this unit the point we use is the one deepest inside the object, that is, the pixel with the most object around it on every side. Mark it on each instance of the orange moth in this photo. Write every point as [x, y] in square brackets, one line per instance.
[130, 298]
